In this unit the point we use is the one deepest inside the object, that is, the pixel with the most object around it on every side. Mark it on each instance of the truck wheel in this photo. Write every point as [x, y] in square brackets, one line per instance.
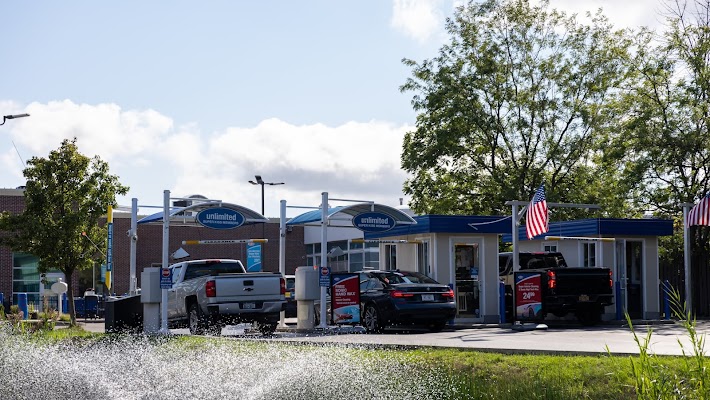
[196, 321]
[589, 316]
[267, 328]
[371, 320]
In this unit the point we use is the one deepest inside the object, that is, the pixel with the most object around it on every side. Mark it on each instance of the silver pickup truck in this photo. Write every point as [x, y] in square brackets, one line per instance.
[209, 294]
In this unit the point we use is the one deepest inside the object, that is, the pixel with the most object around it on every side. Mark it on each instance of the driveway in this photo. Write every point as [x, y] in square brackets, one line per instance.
[565, 339]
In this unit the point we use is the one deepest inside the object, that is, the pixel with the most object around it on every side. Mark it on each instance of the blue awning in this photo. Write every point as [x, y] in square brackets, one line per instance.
[186, 215]
[314, 216]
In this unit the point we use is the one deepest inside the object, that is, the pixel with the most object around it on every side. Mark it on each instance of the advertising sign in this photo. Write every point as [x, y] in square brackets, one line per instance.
[324, 277]
[254, 257]
[166, 278]
[220, 218]
[345, 298]
[373, 222]
[528, 296]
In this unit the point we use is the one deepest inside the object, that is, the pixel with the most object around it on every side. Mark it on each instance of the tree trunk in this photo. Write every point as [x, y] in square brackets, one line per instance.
[70, 299]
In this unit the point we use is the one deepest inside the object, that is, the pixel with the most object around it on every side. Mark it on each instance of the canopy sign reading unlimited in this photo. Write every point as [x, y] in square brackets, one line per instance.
[220, 218]
[374, 222]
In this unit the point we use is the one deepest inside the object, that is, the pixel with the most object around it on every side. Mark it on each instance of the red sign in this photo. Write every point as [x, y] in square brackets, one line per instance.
[345, 297]
[324, 271]
[528, 296]
[166, 272]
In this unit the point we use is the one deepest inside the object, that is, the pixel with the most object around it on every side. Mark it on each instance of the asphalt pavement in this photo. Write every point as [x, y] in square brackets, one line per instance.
[616, 338]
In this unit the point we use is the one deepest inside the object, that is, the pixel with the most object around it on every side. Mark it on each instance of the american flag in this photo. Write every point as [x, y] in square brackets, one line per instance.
[536, 220]
[700, 213]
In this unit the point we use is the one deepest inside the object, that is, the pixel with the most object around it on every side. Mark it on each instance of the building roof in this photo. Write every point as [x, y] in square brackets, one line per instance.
[472, 224]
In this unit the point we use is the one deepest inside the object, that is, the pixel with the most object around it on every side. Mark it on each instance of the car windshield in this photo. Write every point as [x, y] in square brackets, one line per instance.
[394, 278]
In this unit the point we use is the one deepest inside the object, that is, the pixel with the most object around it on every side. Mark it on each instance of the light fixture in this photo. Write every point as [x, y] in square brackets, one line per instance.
[261, 182]
[6, 117]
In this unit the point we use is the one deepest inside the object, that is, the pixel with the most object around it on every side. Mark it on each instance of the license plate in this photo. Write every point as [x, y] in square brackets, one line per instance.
[287, 295]
[583, 297]
[248, 306]
[427, 297]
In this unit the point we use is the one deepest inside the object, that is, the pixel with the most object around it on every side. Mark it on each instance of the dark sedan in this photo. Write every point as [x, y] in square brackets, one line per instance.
[404, 298]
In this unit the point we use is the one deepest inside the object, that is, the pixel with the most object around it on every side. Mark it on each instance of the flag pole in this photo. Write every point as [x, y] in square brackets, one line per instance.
[686, 256]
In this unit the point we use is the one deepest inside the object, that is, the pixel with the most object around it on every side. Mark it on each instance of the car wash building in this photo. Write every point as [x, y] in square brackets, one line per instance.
[463, 252]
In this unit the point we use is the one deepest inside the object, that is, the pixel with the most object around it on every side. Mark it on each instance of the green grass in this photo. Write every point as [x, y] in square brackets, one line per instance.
[474, 374]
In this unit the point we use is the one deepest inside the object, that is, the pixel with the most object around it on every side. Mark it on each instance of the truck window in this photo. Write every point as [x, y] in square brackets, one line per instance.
[197, 270]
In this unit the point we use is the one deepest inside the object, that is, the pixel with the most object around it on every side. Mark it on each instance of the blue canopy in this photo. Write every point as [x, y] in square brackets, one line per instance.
[186, 215]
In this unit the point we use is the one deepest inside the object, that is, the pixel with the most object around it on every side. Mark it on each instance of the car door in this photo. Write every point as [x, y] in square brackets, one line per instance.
[173, 306]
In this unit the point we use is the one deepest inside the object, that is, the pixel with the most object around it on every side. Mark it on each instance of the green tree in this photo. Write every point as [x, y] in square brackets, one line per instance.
[65, 195]
[666, 127]
[511, 102]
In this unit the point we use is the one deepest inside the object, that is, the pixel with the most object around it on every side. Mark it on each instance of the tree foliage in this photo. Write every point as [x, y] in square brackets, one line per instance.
[512, 102]
[65, 195]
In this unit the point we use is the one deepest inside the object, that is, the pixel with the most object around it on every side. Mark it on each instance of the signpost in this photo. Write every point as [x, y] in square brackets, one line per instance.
[166, 278]
[324, 280]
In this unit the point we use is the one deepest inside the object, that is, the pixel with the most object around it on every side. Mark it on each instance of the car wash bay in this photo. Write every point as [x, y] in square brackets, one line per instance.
[462, 251]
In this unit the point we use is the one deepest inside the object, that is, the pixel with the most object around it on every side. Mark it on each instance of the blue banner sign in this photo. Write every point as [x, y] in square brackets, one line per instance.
[254, 257]
[166, 278]
[324, 277]
[220, 218]
[373, 222]
[103, 273]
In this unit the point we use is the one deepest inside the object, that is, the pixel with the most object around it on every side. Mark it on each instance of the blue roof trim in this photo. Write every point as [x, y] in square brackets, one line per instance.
[449, 224]
[312, 216]
[595, 227]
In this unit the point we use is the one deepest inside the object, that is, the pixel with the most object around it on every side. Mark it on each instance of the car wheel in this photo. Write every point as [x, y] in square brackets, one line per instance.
[371, 320]
[196, 321]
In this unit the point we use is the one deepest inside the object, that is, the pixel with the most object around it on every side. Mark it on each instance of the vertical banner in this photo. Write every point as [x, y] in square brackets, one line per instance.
[528, 296]
[109, 247]
[345, 298]
[103, 273]
[254, 257]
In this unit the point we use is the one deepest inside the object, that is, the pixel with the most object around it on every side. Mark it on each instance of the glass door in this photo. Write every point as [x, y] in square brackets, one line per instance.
[467, 267]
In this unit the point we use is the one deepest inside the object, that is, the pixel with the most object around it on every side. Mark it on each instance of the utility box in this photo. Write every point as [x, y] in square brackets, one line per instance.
[150, 285]
[151, 296]
[307, 286]
[307, 290]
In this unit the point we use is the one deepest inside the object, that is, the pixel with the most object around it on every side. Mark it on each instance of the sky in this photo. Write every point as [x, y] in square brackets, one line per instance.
[199, 97]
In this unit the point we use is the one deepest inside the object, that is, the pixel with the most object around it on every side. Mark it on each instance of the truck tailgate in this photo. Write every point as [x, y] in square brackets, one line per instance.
[575, 281]
[245, 288]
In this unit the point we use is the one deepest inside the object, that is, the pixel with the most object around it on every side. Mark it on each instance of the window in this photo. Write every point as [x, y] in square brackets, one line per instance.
[390, 256]
[589, 254]
[550, 247]
[423, 258]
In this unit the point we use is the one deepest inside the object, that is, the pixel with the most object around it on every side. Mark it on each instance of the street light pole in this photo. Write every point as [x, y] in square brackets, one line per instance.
[261, 182]
[6, 117]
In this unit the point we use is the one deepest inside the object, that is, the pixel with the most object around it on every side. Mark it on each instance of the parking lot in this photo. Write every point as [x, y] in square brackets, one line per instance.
[565, 339]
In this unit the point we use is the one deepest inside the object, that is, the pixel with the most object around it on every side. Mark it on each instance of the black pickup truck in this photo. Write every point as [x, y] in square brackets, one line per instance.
[582, 291]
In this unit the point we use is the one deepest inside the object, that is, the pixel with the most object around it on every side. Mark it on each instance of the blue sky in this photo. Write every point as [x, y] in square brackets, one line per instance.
[198, 97]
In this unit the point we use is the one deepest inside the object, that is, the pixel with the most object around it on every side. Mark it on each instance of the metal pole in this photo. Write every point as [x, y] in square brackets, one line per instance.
[166, 241]
[686, 258]
[262, 198]
[282, 252]
[323, 257]
[133, 238]
[516, 256]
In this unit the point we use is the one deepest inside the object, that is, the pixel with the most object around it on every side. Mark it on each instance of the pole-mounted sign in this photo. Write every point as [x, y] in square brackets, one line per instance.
[220, 218]
[374, 222]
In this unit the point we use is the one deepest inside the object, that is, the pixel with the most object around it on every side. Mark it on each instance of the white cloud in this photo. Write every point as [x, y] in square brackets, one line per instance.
[419, 19]
[622, 14]
[358, 160]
